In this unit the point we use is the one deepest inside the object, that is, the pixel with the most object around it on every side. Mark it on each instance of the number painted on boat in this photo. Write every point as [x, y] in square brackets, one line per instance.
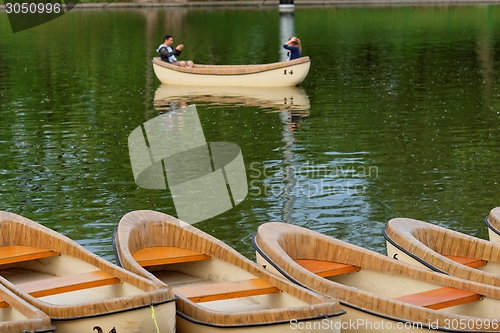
[99, 329]
[289, 72]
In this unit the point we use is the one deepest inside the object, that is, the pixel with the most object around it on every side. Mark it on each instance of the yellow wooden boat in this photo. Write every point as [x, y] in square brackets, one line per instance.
[218, 289]
[78, 290]
[433, 247]
[17, 316]
[493, 223]
[380, 294]
[278, 74]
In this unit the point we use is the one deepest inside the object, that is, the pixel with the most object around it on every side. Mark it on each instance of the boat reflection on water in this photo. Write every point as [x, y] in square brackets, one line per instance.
[291, 102]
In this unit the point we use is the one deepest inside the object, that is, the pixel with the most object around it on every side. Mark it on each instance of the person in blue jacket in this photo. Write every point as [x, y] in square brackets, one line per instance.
[168, 54]
[294, 48]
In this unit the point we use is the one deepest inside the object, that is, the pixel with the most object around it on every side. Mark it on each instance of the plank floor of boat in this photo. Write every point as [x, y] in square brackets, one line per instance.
[178, 279]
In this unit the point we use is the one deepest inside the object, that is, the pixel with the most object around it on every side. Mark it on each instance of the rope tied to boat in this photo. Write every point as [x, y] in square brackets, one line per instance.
[154, 318]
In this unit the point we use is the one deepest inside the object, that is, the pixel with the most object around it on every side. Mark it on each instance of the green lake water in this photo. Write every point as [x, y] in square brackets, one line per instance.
[398, 117]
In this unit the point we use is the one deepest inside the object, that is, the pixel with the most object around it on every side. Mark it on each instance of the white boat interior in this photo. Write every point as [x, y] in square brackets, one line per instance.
[187, 278]
[39, 277]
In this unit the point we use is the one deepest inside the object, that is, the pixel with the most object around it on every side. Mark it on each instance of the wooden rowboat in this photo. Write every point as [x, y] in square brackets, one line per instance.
[433, 247]
[78, 290]
[493, 223]
[217, 288]
[17, 316]
[380, 294]
[278, 74]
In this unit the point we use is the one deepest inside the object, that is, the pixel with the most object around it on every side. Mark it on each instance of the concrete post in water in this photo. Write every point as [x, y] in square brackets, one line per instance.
[286, 6]
[287, 29]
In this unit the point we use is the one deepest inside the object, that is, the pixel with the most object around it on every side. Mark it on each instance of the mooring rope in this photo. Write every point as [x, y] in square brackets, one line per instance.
[154, 318]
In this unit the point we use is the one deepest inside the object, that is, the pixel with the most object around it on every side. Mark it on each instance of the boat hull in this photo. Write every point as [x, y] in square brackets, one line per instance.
[136, 320]
[284, 74]
[320, 325]
[396, 253]
[493, 236]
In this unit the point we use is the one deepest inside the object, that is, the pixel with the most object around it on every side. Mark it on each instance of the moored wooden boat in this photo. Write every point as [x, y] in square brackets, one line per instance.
[433, 247]
[17, 316]
[493, 223]
[218, 289]
[278, 74]
[78, 290]
[379, 294]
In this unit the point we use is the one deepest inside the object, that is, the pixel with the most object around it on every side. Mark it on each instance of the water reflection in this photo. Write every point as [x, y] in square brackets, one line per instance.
[410, 91]
[289, 180]
[290, 103]
[293, 100]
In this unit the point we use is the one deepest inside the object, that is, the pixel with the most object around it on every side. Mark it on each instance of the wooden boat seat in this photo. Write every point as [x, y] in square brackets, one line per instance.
[59, 285]
[227, 290]
[440, 298]
[14, 253]
[326, 268]
[471, 262]
[164, 255]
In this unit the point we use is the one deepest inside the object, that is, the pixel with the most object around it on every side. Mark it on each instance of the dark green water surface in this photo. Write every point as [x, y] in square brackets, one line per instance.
[398, 117]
